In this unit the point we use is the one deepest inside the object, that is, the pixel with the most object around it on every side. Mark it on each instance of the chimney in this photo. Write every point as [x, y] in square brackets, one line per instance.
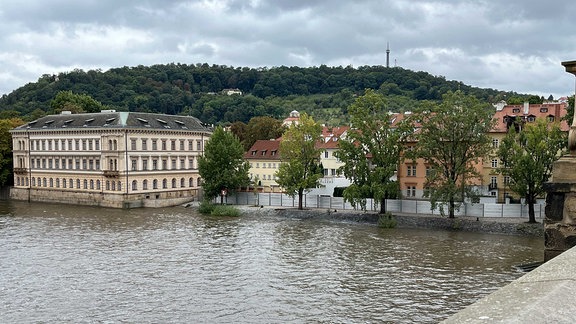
[526, 108]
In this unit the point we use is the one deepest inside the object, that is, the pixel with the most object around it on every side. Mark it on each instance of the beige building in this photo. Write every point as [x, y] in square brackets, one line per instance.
[264, 159]
[112, 159]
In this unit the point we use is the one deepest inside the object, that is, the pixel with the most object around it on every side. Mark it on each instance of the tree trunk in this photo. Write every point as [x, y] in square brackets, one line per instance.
[451, 208]
[383, 206]
[531, 214]
[221, 199]
[300, 194]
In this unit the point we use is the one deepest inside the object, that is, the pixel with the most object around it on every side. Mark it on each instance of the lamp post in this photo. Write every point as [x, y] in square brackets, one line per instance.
[571, 68]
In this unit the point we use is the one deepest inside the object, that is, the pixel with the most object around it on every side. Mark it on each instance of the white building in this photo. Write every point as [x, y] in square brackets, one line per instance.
[112, 159]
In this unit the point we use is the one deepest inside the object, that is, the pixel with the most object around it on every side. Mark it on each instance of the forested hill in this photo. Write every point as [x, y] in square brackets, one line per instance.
[197, 90]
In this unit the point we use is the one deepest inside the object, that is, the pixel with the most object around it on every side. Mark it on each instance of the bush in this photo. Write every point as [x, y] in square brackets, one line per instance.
[387, 220]
[224, 210]
[206, 208]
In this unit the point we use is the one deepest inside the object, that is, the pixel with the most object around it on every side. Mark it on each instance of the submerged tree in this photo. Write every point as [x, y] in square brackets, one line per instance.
[222, 167]
[371, 151]
[300, 170]
[528, 157]
[452, 139]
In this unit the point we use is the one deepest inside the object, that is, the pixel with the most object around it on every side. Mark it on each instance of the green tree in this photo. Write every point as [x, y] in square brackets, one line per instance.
[76, 103]
[6, 166]
[371, 151]
[222, 167]
[452, 139]
[299, 170]
[262, 128]
[528, 157]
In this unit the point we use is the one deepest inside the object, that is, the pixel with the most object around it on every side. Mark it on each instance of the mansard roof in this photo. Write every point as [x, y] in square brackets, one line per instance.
[113, 119]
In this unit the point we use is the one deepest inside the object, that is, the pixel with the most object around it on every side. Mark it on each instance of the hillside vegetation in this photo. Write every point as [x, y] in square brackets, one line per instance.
[323, 92]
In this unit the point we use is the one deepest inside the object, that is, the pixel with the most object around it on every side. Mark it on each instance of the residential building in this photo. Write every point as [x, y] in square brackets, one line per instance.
[506, 116]
[264, 159]
[112, 159]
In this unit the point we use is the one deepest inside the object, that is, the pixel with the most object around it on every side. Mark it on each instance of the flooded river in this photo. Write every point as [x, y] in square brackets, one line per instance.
[70, 264]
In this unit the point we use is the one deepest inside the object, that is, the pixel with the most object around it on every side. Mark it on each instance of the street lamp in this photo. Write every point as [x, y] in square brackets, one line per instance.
[571, 68]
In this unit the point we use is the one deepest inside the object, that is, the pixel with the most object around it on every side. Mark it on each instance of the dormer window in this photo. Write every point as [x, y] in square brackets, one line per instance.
[531, 118]
[273, 153]
[551, 118]
[516, 110]
[544, 110]
[264, 152]
[254, 152]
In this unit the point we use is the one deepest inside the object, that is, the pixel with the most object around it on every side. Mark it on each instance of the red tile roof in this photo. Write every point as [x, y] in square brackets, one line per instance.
[264, 150]
[526, 112]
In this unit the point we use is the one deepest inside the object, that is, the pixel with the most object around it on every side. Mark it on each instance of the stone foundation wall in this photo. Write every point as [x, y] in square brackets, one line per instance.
[113, 200]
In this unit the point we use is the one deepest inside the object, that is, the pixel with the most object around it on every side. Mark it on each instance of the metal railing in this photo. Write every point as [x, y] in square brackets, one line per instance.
[408, 206]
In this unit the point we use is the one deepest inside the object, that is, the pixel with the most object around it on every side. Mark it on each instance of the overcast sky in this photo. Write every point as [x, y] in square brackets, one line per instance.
[512, 45]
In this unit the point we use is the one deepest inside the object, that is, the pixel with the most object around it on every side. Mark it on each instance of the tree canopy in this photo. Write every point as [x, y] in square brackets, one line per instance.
[299, 170]
[6, 166]
[452, 139]
[528, 157]
[197, 90]
[222, 167]
[371, 151]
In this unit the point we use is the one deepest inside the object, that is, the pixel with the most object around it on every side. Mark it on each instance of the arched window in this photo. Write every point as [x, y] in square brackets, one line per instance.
[51, 183]
[57, 183]
[182, 183]
[191, 182]
[92, 184]
[63, 183]
[134, 185]
[97, 184]
[85, 183]
[78, 183]
[119, 185]
[173, 182]
[71, 182]
[107, 184]
[34, 182]
[44, 183]
[165, 184]
[155, 184]
[113, 185]
[145, 185]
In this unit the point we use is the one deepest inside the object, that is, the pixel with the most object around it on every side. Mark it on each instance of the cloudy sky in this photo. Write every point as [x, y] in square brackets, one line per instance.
[512, 45]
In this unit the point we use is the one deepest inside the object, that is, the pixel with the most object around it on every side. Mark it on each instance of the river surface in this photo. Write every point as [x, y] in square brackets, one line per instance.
[69, 264]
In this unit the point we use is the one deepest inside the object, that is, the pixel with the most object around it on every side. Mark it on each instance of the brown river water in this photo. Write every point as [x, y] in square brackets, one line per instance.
[71, 264]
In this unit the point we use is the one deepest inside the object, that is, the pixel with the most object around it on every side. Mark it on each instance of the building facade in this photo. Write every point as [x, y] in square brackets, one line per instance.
[111, 159]
[264, 159]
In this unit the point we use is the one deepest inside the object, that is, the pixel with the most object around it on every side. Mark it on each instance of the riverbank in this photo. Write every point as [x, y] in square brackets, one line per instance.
[495, 225]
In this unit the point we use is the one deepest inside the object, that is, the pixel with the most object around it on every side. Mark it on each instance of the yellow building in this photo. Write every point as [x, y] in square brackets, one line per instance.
[112, 159]
[264, 159]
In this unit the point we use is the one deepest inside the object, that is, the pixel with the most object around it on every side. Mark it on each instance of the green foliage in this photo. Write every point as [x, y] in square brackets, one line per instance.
[6, 165]
[452, 140]
[222, 166]
[206, 207]
[262, 128]
[371, 151]
[76, 103]
[323, 92]
[225, 210]
[387, 220]
[299, 169]
[528, 157]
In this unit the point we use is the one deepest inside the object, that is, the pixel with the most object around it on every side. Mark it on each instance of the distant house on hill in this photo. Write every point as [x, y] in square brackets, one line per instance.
[230, 92]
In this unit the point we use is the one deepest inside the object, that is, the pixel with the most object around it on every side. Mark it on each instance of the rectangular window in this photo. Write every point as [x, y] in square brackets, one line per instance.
[173, 164]
[164, 165]
[134, 164]
[84, 164]
[77, 164]
[84, 146]
[181, 145]
[163, 145]
[325, 154]
[495, 143]
[190, 145]
[145, 164]
[97, 145]
[506, 180]
[91, 164]
[133, 144]
[90, 146]
[191, 163]
[182, 164]
[56, 163]
[144, 144]
[154, 145]
[154, 164]
[77, 145]
[198, 145]
[97, 164]
[494, 163]
[173, 145]
[411, 170]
